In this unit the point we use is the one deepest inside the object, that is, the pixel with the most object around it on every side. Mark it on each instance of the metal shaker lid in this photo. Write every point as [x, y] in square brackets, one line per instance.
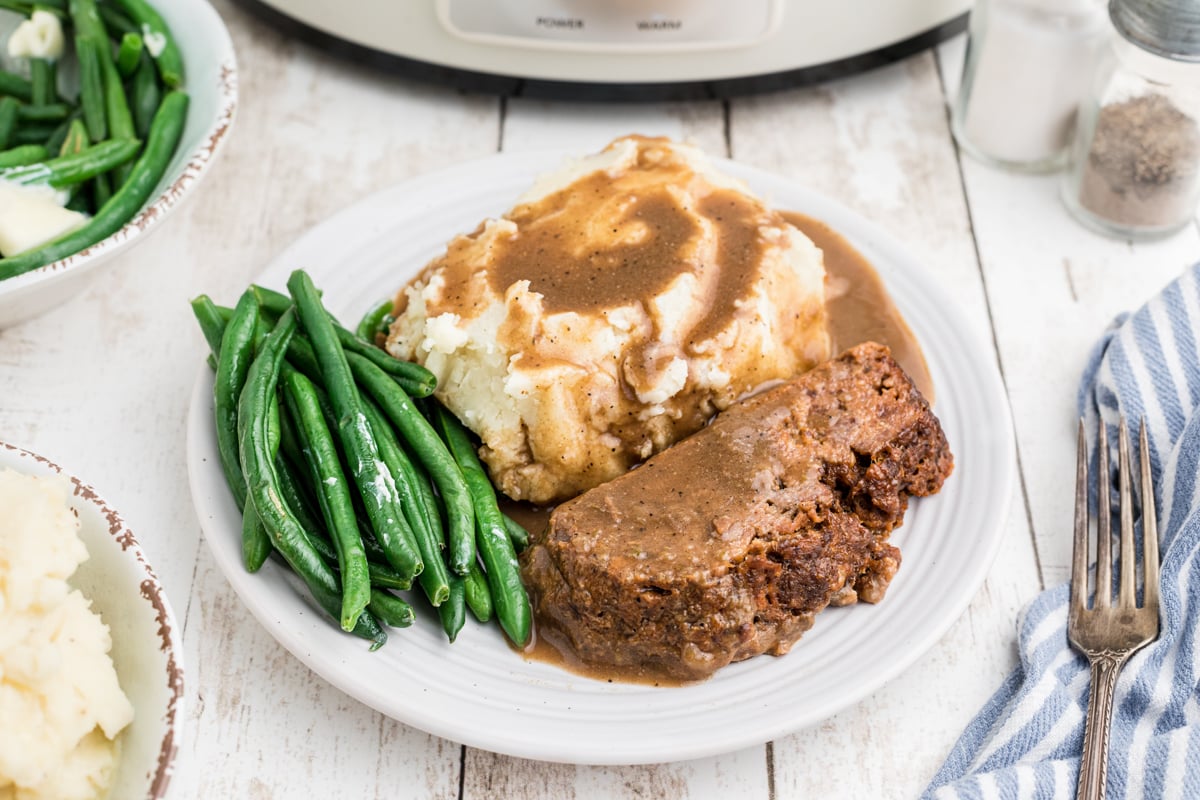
[1169, 28]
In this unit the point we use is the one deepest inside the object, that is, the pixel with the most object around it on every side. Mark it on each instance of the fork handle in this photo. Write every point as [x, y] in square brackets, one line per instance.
[1093, 766]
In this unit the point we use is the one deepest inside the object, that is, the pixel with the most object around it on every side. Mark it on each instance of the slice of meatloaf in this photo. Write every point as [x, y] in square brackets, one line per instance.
[727, 544]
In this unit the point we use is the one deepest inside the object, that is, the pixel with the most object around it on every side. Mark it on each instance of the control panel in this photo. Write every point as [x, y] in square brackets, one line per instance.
[613, 25]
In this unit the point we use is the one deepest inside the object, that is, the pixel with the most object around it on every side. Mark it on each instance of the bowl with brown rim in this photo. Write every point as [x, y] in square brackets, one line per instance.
[210, 79]
[147, 648]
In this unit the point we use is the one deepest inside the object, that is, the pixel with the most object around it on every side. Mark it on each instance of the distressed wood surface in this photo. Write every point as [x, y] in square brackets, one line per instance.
[104, 391]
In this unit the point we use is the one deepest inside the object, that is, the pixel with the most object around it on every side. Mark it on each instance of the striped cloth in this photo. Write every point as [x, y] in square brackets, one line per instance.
[1025, 742]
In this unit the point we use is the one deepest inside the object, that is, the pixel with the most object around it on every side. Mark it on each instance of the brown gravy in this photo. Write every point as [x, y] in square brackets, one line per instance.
[859, 310]
[547, 646]
[858, 304]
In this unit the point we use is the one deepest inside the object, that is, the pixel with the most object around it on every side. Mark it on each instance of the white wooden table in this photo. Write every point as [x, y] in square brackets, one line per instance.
[102, 387]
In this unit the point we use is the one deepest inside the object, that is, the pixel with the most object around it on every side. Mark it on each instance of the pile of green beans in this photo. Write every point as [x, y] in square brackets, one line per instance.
[346, 468]
[108, 147]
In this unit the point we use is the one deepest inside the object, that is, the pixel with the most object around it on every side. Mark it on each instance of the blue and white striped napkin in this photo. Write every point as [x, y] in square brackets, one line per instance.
[1025, 742]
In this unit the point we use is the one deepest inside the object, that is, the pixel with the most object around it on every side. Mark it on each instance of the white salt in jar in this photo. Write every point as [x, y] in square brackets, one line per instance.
[1029, 63]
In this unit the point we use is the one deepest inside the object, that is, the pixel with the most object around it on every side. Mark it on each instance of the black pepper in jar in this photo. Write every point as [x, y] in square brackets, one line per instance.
[1135, 164]
[1142, 164]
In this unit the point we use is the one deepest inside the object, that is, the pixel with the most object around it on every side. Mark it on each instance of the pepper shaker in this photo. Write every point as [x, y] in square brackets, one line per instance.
[1135, 162]
[1028, 66]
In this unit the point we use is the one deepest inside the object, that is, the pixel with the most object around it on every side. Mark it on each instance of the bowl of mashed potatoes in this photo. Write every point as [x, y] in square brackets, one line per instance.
[91, 680]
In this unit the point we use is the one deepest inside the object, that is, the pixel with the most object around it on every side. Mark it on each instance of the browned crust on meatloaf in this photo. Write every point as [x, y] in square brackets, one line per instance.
[727, 544]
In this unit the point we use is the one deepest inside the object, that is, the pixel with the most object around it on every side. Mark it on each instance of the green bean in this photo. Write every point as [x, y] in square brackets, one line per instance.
[516, 533]
[433, 578]
[145, 95]
[116, 106]
[428, 500]
[27, 8]
[22, 155]
[415, 379]
[102, 191]
[8, 119]
[479, 598]
[233, 362]
[33, 133]
[495, 548]
[212, 325]
[375, 321]
[431, 452]
[15, 86]
[85, 16]
[295, 494]
[55, 142]
[149, 168]
[116, 23]
[262, 481]
[333, 494]
[53, 112]
[391, 610]
[256, 545]
[375, 553]
[57, 9]
[91, 88]
[76, 140]
[88, 25]
[453, 612]
[76, 168]
[43, 89]
[370, 475]
[129, 54]
[384, 577]
[168, 58]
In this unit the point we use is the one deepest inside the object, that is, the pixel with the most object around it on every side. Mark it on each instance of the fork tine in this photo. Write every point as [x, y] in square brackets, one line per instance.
[1103, 525]
[1127, 597]
[1149, 525]
[1079, 553]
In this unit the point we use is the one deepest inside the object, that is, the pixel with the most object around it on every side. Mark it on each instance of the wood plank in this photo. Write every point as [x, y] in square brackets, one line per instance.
[580, 128]
[1054, 286]
[742, 775]
[880, 144]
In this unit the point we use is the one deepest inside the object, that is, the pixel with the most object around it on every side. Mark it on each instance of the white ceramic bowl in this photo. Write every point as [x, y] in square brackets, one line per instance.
[147, 650]
[210, 79]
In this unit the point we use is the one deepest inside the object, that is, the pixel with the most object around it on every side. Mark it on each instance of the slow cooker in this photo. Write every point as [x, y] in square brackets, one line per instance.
[620, 49]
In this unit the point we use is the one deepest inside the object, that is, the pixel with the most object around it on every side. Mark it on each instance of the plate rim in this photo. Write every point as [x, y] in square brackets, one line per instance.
[990, 388]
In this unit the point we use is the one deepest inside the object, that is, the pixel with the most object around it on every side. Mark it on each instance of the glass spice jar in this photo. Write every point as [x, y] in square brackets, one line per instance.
[1135, 161]
[1028, 65]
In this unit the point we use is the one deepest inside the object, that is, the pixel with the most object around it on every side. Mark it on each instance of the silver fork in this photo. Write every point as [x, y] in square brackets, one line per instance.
[1108, 635]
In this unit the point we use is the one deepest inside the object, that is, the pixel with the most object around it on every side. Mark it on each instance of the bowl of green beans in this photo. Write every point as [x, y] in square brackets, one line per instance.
[103, 135]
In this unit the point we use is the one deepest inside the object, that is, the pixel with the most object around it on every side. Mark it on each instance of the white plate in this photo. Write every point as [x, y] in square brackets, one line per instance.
[480, 692]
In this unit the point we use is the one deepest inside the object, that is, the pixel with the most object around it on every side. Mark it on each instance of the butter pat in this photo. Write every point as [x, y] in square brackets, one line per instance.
[31, 216]
[40, 36]
[61, 705]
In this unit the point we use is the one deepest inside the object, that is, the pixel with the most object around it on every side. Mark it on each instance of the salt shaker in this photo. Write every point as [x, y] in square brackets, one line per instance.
[1028, 65]
[1135, 162]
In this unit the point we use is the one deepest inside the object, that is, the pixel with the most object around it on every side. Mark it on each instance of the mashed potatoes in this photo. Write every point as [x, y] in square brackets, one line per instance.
[622, 302]
[60, 703]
